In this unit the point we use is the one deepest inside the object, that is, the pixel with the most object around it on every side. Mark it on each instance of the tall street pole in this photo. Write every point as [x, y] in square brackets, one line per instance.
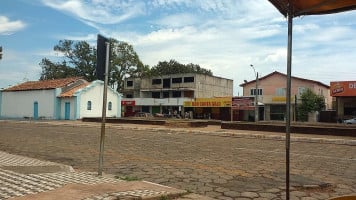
[256, 94]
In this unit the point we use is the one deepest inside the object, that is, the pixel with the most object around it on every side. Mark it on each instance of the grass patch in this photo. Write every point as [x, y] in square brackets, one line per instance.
[128, 178]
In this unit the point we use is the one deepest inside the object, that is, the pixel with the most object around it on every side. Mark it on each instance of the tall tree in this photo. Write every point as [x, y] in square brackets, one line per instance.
[80, 55]
[174, 67]
[80, 60]
[311, 102]
[124, 62]
[57, 70]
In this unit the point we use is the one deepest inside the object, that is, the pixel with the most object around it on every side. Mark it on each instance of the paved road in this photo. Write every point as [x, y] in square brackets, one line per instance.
[219, 166]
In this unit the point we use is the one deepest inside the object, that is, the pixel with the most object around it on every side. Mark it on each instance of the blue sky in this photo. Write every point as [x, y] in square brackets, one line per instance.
[225, 36]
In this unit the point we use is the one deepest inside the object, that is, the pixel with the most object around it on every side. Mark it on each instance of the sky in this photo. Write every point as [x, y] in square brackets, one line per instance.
[225, 36]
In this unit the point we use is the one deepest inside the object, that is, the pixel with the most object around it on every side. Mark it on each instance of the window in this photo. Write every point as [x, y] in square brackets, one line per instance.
[165, 94]
[301, 90]
[89, 105]
[110, 105]
[281, 91]
[177, 80]
[176, 94]
[156, 95]
[253, 92]
[129, 83]
[129, 96]
[189, 79]
[156, 81]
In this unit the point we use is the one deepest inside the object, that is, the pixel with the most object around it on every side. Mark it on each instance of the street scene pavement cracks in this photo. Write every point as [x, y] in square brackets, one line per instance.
[220, 164]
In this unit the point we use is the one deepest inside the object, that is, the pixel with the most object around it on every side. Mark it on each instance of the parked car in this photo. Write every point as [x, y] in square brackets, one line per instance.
[350, 121]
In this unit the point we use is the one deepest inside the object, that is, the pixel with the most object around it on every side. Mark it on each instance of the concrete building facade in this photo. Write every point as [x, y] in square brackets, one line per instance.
[272, 94]
[167, 94]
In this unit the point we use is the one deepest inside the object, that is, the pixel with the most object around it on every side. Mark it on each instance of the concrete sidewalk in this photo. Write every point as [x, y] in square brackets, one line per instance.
[32, 179]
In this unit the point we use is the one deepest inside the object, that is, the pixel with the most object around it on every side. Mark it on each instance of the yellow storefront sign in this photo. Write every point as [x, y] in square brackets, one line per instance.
[209, 102]
[281, 99]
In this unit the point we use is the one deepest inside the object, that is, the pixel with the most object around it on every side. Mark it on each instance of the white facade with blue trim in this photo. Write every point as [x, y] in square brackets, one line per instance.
[59, 103]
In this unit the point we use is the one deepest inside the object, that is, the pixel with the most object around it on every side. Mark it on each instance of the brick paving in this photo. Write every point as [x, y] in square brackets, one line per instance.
[21, 184]
[219, 164]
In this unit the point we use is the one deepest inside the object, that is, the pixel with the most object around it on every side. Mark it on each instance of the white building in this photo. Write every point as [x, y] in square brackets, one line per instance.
[68, 98]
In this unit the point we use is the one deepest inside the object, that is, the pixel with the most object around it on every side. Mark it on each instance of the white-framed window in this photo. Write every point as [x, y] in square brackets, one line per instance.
[89, 105]
[281, 92]
[253, 91]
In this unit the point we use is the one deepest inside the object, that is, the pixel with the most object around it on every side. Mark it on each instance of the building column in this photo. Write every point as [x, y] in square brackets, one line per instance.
[340, 107]
[267, 112]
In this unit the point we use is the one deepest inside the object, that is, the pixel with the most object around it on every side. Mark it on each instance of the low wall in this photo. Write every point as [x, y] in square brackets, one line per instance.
[321, 129]
[170, 123]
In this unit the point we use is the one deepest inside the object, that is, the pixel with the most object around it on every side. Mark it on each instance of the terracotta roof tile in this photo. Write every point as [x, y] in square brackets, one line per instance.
[43, 85]
[70, 92]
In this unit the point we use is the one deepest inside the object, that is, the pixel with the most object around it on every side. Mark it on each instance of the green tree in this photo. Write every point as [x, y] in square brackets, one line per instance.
[174, 67]
[311, 102]
[58, 70]
[124, 62]
[80, 60]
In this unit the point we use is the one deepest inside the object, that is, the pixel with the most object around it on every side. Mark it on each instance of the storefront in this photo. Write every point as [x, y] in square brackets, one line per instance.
[344, 93]
[218, 108]
[243, 108]
[127, 108]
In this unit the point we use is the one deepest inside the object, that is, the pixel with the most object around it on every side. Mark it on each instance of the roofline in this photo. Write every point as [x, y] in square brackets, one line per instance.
[276, 72]
[178, 74]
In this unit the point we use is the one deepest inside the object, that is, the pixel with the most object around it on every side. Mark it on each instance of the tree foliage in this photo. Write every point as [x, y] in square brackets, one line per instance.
[79, 59]
[174, 67]
[124, 62]
[311, 102]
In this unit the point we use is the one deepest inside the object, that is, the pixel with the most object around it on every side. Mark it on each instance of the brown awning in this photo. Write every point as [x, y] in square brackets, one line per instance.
[314, 7]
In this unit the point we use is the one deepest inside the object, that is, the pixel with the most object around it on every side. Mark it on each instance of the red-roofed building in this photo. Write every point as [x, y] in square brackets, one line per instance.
[272, 95]
[67, 98]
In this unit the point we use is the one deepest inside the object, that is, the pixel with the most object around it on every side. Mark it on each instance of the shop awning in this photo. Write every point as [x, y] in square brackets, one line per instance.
[313, 7]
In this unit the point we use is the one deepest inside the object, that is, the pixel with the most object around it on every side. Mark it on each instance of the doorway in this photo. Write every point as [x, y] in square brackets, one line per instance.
[35, 110]
[67, 111]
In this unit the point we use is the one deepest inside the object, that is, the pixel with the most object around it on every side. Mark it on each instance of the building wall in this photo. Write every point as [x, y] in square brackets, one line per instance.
[20, 104]
[211, 86]
[271, 84]
[72, 103]
[204, 86]
[94, 93]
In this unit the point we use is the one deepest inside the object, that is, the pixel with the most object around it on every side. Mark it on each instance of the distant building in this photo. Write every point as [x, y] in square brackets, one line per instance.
[271, 92]
[344, 93]
[68, 98]
[167, 94]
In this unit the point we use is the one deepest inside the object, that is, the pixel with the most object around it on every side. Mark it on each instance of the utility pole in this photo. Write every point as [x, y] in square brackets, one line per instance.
[256, 94]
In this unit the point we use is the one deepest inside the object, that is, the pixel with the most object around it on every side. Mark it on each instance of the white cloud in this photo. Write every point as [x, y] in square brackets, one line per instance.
[223, 36]
[8, 27]
[94, 11]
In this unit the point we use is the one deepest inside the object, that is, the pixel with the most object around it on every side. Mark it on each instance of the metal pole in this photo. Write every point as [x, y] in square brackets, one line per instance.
[288, 98]
[256, 99]
[103, 118]
[256, 94]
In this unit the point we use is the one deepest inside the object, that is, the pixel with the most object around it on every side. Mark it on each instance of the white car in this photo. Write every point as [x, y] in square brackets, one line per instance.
[350, 121]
